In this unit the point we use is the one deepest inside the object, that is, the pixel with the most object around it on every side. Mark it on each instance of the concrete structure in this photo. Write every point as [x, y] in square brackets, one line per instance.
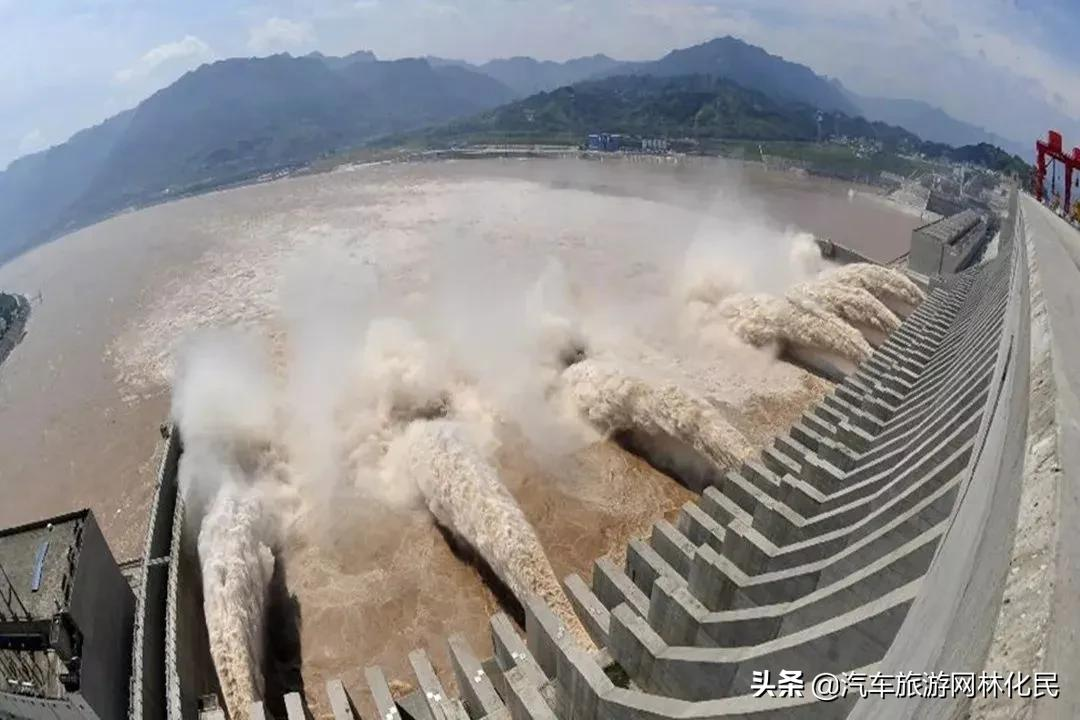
[943, 205]
[839, 254]
[65, 622]
[171, 665]
[874, 536]
[949, 245]
[1055, 251]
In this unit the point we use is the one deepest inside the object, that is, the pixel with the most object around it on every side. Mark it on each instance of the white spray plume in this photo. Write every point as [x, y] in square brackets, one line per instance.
[396, 378]
[236, 567]
[766, 320]
[616, 401]
[888, 285]
[463, 491]
[850, 303]
[224, 389]
[746, 257]
[325, 300]
[223, 405]
[804, 257]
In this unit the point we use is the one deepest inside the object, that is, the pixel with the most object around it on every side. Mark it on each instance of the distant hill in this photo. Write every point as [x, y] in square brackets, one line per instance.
[36, 190]
[340, 62]
[690, 106]
[693, 108]
[751, 67]
[929, 122]
[990, 157]
[727, 57]
[526, 76]
[229, 121]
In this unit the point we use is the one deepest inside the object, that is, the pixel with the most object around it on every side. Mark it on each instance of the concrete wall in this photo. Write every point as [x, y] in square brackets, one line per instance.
[1056, 247]
[949, 628]
[189, 669]
[103, 608]
[147, 699]
[941, 249]
[832, 250]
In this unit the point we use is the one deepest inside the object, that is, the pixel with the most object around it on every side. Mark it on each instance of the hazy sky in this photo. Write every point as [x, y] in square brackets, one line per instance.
[1007, 65]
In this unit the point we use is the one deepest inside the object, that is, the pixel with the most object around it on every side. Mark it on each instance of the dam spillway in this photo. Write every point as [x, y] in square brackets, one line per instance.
[873, 537]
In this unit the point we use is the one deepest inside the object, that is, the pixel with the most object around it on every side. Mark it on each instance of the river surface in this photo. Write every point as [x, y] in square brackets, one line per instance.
[81, 398]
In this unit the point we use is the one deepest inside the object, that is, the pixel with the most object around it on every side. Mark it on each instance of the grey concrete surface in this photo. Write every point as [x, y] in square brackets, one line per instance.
[1057, 245]
[949, 629]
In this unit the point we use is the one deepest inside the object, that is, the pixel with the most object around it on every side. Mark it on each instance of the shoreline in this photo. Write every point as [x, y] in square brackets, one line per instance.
[355, 160]
[16, 331]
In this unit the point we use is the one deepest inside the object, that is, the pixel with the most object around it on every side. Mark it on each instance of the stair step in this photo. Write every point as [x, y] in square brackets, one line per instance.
[613, 587]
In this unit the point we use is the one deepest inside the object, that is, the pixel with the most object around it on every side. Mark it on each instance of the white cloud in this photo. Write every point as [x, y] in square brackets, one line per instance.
[988, 63]
[32, 142]
[280, 34]
[188, 51]
[1002, 64]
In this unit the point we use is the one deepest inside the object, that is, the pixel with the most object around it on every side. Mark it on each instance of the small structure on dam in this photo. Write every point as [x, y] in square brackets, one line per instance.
[948, 245]
[66, 615]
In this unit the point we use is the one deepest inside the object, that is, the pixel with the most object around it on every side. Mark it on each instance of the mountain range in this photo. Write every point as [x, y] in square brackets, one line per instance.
[526, 76]
[707, 113]
[931, 123]
[236, 119]
[229, 121]
[676, 106]
[752, 67]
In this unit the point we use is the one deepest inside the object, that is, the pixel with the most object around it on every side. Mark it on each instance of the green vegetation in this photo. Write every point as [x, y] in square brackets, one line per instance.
[831, 159]
[710, 115]
[690, 107]
[990, 157]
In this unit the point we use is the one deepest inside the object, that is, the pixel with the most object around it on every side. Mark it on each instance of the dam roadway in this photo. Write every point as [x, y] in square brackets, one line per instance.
[1055, 249]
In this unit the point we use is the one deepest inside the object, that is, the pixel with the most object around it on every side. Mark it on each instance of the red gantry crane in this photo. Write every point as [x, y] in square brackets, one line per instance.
[1051, 150]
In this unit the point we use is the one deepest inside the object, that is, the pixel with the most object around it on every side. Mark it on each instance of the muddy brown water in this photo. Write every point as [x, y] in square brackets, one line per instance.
[82, 396]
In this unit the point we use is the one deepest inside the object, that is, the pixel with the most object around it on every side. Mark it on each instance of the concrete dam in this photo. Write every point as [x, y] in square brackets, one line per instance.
[919, 522]
[874, 537]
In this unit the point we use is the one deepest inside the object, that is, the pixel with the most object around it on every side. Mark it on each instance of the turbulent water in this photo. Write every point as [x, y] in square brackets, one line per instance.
[768, 320]
[853, 304]
[229, 477]
[884, 283]
[463, 491]
[423, 317]
[236, 567]
[831, 312]
[616, 400]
